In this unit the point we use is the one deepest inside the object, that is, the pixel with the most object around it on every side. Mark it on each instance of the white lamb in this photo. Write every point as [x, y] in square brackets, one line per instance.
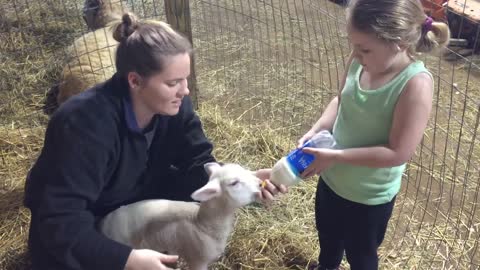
[196, 232]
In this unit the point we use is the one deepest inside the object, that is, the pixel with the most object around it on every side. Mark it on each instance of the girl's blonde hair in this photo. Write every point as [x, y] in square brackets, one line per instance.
[402, 22]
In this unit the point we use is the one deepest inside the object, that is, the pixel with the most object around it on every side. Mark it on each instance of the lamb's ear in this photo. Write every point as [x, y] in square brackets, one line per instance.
[210, 167]
[211, 190]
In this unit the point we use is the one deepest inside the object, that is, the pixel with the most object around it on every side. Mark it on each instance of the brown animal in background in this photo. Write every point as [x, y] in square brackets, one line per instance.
[92, 56]
[98, 13]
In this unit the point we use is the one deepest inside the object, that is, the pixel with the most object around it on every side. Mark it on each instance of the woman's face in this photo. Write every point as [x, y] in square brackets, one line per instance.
[162, 93]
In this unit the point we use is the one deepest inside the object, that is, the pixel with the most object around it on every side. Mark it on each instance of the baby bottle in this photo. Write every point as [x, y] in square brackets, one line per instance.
[288, 169]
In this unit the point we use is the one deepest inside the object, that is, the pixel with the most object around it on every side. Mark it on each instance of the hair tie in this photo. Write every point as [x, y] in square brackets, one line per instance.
[427, 25]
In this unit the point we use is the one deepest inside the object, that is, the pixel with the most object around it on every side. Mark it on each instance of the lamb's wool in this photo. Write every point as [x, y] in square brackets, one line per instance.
[196, 232]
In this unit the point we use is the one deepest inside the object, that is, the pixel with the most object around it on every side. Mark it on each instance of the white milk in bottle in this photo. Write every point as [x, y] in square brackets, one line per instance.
[287, 170]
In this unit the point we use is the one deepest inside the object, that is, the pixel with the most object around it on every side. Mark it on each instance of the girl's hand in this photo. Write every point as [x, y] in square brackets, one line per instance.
[147, 259]
[269, 190]
[305, 138]
[324, 158]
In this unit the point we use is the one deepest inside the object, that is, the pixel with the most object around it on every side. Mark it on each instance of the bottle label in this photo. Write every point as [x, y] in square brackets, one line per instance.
[299, 160]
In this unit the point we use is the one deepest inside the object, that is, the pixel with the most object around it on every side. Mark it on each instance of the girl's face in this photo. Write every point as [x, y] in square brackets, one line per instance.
[162, 93]
[375, 55]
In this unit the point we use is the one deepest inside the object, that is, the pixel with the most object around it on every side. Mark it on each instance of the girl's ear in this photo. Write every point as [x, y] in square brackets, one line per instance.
[399, 47]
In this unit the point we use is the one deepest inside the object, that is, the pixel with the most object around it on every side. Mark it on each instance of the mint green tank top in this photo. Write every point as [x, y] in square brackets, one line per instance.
[364, 119]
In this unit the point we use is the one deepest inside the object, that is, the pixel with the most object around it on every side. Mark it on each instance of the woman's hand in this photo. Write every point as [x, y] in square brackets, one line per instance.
[269, 190]
[324, 158]
[147, 259]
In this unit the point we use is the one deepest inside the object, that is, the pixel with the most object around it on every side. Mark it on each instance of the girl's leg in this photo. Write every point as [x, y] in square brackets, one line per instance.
[365, 229]
[328, 217]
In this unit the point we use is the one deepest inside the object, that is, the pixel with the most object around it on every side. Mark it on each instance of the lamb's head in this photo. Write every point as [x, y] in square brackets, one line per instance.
[100, 13]
[235, 183]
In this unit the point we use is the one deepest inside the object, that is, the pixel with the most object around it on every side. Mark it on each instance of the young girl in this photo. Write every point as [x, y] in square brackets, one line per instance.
[378, 120]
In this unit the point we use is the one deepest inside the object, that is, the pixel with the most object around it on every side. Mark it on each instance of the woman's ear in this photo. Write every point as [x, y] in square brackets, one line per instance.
[134, 80]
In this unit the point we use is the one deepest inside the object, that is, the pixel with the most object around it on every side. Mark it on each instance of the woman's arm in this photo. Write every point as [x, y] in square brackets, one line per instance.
[193, 149]
[64, 183]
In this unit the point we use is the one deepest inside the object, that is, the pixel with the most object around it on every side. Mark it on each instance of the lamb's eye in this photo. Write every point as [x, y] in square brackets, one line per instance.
[234, 183]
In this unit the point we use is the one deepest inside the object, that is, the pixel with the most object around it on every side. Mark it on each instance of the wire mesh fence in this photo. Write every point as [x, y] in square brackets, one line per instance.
[279, 62]
[273, 64]
[283, 58]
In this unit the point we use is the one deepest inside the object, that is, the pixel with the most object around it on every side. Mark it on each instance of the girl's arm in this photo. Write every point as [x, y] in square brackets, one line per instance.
[409, 122]
[326, 121]
[328, 117]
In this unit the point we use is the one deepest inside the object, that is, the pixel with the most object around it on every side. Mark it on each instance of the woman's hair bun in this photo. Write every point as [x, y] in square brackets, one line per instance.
[124, 29]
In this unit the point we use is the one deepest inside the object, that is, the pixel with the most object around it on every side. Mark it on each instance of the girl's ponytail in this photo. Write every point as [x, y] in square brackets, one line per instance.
[434, 35]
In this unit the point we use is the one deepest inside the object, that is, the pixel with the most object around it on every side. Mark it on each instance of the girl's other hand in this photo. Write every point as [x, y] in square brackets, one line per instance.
[305, 138]
[324, 158]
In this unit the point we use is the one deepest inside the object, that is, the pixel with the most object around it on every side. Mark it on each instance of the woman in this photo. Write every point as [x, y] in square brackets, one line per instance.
[130, 138]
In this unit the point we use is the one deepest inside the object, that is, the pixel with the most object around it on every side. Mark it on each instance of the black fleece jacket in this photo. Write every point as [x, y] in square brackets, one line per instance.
[95, 159]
